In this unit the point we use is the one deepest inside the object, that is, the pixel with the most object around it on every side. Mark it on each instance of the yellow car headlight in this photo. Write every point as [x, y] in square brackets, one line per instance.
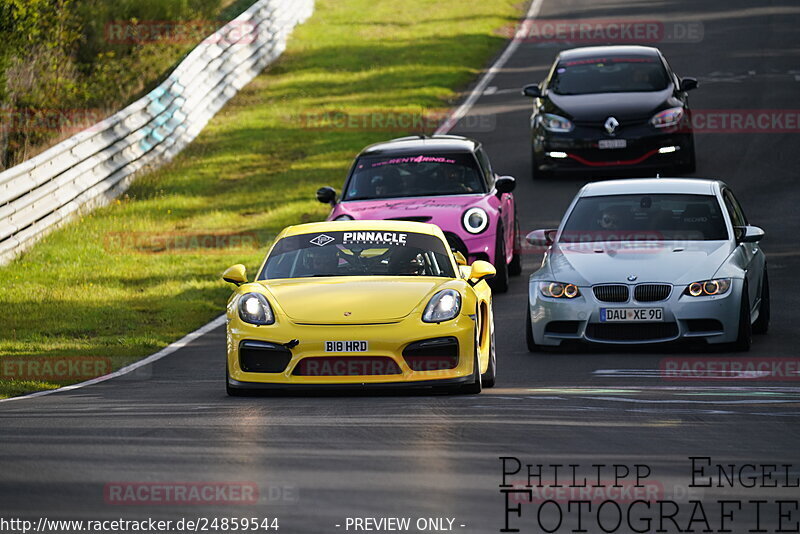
[254, 309]
[443, 306]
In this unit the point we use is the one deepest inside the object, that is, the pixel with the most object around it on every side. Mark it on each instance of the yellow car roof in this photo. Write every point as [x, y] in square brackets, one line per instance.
[363, 225]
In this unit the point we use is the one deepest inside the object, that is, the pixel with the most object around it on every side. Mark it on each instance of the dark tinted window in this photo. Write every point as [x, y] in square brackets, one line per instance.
[646, 217]
[488, 173]
[734, 209]
[609, 75]
[414, 176]
[358, 253]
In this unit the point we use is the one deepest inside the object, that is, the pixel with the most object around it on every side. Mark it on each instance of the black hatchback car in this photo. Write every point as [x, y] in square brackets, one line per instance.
[611, 108]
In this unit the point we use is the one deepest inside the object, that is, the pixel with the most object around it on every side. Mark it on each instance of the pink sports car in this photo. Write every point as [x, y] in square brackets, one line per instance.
[445, 180]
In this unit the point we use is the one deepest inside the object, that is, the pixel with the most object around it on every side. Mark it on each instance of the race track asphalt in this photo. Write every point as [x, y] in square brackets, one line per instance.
[318, 460]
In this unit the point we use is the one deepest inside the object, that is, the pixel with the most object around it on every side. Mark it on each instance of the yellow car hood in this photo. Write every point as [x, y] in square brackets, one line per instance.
[351, 300]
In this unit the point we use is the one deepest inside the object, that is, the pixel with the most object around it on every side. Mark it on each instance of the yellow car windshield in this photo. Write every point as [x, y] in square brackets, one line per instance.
[358, 253]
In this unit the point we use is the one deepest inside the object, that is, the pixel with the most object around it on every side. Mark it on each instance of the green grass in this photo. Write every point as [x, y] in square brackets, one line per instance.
[252, 171]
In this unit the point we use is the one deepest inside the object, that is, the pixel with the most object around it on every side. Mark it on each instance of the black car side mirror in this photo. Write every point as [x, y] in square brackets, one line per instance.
[326, 195]
[532, 91]
[505, 184]
[687, 84]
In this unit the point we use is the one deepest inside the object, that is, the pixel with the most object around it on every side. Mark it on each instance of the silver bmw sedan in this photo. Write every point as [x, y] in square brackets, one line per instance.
[648, 261]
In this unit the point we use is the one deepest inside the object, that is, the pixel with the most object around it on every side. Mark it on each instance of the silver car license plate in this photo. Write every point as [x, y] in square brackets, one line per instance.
[629, 315]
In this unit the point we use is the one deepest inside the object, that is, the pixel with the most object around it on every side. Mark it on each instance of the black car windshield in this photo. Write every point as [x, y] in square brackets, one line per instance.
[662, 217]
[414, 176]
[608, 75]
[358, 253]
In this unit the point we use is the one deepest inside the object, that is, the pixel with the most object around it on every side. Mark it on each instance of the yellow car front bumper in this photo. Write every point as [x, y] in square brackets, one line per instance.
[304, 345]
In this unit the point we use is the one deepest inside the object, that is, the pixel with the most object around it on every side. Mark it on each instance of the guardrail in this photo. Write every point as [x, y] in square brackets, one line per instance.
[96, 165]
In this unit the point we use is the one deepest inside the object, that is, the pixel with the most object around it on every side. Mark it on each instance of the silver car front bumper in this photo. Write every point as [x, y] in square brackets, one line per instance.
[712, 318]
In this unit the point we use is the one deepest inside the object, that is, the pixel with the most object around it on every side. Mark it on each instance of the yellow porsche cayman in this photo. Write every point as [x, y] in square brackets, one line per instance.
[361, 304]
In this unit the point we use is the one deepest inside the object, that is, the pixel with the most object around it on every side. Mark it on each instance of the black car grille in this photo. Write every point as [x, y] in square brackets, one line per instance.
[703, 325]
[611, 292]
[432, 354]
[651, 292]
[562, 327]
[631, 331]
[263, 357]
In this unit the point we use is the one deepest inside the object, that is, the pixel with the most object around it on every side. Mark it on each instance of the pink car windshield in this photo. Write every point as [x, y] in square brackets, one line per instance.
[376, 177]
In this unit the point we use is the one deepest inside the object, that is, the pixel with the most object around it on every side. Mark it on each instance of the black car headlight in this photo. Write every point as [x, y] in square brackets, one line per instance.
[254, 309]
[668, 117]
[706, 288]
[558, 290]
[475, 220]
[555, 123]
[443, 306]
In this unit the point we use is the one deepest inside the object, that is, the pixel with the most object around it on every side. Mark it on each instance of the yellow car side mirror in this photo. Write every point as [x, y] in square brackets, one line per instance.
[482, 270]
[235, 274]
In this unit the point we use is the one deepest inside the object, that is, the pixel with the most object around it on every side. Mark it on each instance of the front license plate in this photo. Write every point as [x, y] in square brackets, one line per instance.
[640, 315]
[612, 143]
[346, 346]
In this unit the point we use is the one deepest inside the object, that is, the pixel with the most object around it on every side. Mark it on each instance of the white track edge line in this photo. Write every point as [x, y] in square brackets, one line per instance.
[166, 351]
[489, 75]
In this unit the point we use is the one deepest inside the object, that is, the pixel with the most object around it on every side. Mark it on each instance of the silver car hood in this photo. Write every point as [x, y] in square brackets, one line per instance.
[663, 261]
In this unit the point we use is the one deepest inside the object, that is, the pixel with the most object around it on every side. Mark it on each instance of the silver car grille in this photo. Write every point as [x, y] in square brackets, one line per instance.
[651, 292]
[611, 292]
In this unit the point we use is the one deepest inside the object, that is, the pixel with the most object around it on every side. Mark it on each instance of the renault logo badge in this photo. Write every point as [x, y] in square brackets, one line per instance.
[611, 124]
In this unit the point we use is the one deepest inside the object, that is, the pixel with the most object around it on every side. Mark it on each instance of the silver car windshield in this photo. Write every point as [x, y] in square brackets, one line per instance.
[661, 217]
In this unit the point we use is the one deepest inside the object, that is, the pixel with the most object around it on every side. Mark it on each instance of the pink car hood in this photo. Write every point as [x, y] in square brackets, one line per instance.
[445, 211]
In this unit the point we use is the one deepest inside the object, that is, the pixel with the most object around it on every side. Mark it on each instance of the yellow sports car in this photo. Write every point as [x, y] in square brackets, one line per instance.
[357, 304]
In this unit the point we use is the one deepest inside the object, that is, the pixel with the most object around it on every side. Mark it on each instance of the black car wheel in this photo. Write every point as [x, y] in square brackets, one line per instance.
[536, 172]
[488, 378]
[690, 165]
[761, 326]
[499, 283]
[744, 338]
[515, 267]
[532, 346]
[475, 386]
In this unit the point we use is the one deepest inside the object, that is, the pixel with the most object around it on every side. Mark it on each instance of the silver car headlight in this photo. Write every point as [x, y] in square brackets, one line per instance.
[254, 309]
[555, 123]
[343, 217]
[706, 288]
[443, 306]
[475, 220]
[558, 290]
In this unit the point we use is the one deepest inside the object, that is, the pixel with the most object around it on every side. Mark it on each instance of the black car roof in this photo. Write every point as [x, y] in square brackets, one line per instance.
[594, 51]
[404, 146]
